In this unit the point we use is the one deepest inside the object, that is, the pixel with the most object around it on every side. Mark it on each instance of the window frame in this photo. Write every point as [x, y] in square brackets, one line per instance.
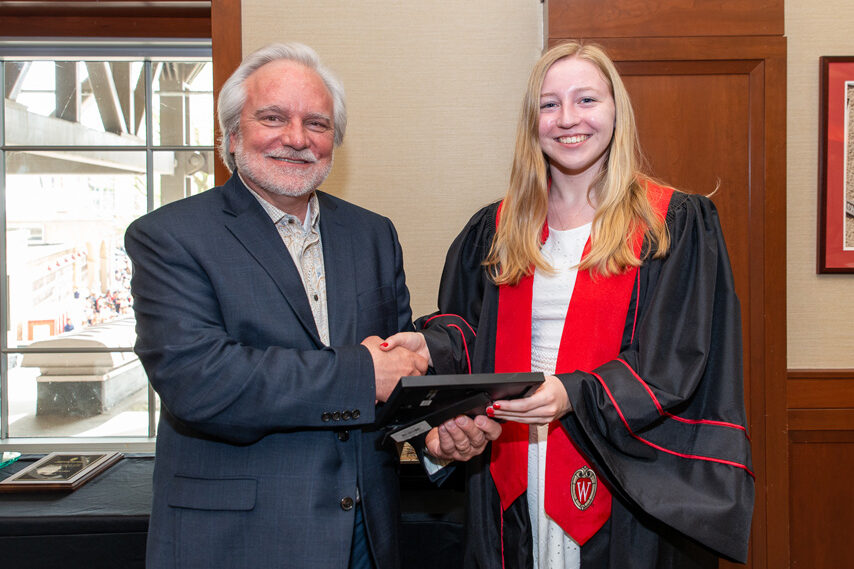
[146, 51]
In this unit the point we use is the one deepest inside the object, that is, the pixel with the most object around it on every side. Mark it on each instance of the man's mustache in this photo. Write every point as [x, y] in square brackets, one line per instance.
[306, 155]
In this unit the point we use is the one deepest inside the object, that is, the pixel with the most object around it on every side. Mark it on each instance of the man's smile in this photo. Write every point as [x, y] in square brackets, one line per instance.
[291, 160]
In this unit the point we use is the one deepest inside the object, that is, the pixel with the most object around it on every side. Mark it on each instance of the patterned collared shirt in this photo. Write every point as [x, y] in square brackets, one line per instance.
[303, 243]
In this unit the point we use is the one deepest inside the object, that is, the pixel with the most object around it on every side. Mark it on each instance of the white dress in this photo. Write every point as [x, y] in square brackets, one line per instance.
[553, 548]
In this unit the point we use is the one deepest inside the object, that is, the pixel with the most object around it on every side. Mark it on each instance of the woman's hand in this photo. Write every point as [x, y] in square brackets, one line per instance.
[413, 341]
[548, 403]
[461, 438]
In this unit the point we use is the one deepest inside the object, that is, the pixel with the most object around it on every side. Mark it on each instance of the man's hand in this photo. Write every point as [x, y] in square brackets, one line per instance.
[462, 438]
[548, 403]
[391, 365]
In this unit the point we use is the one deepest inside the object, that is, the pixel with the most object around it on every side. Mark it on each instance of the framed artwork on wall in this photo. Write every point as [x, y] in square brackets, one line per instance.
[836, 165]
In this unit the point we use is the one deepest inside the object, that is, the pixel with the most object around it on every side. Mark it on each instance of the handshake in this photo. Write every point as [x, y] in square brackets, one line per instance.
[400, 355]
[406, 354]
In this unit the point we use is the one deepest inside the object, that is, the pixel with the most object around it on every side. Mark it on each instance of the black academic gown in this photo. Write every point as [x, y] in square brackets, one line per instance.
[664, 424]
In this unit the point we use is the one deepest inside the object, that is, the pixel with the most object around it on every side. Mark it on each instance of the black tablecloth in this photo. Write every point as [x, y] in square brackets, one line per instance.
[103, 524]
[100, 525]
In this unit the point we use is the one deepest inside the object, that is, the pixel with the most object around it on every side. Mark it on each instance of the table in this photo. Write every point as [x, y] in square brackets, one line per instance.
[103, 524]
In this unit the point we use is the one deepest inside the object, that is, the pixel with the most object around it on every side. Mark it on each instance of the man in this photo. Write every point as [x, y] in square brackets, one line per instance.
[260, 305]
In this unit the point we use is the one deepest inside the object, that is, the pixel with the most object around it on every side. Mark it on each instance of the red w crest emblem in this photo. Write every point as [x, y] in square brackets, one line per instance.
[583, 487]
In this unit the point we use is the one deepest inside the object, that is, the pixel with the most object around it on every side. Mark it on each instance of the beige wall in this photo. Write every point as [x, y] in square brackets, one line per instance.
[433, 95]
[820, 307]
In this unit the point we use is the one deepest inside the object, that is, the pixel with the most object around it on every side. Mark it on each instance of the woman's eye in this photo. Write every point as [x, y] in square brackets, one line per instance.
[548, 105]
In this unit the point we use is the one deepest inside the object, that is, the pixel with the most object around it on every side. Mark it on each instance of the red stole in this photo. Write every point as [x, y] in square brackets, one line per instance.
[592, 334]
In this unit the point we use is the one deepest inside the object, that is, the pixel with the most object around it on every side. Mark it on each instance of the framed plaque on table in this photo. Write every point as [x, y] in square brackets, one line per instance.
[60, 471]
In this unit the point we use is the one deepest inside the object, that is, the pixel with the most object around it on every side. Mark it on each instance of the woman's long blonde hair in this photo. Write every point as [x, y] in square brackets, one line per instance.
[619, 191]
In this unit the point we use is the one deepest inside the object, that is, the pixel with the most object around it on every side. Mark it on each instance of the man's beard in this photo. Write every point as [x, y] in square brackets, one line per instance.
[293, 184]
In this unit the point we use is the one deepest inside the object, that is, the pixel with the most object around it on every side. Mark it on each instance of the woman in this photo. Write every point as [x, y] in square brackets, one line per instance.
[634, 451]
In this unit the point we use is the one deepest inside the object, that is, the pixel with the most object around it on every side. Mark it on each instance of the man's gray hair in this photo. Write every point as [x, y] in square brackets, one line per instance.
[232, 97]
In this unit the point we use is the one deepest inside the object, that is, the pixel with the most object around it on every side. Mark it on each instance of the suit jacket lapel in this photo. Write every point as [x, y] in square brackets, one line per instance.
[340, 270]
[251, 225]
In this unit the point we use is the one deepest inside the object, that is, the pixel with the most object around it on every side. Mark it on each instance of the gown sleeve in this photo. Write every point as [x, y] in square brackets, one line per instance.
[665, 421]
[451, 331]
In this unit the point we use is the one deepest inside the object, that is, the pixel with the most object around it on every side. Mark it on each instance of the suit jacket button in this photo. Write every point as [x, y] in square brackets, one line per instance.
[347, 503]
[325, 417]
[355, 414]
[346, 415]
[343, 435]
[336, 415]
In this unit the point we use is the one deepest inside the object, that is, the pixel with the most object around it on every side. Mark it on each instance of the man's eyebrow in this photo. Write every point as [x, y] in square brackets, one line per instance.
[280, 111]
[321, 116]
[270, 109]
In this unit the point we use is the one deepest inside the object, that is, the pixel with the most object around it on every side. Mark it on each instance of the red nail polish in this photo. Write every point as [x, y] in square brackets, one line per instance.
[497, 405]
[384, 344]
[490, 411]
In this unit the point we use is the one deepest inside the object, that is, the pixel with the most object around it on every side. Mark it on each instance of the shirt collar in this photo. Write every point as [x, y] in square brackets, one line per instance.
[312, 212]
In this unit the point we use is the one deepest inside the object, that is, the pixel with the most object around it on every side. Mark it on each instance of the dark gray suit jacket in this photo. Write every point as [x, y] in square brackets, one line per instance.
[262, 438]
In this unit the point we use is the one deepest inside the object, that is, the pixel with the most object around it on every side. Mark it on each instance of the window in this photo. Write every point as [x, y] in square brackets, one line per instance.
[91, 137]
